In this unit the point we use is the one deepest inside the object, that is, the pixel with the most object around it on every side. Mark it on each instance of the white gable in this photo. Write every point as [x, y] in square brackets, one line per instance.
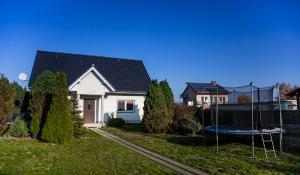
[90, 84]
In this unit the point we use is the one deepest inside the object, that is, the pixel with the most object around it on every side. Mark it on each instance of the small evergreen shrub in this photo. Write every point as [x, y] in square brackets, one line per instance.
[58, 127]
[186, 126]
[34, 127]
[116, 122]
[78, 121]
[18, 128]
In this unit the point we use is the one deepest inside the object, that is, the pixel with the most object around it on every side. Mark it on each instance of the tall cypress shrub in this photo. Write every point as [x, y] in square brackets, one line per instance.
[167, 91]
[155, 118]
[169, 99]
[43, 85]
[58, 127]
[40, 92]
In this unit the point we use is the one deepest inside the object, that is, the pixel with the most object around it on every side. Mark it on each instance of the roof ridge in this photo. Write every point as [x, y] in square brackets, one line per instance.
[87, 55]
[196, 83]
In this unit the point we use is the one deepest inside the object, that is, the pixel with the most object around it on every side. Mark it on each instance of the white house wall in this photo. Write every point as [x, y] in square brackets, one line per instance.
[90, 85]
[110, 106]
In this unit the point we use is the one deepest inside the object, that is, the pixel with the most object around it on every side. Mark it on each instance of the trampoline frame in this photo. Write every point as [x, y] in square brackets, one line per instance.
[221, 129]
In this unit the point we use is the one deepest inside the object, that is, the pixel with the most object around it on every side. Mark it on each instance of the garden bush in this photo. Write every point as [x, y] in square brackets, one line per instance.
[156, 114]
[58, 127]
[186, 126]
[34, 127]
[78, 121]
[116, 122]
[184, 111]
[7, 94]
[18, 128]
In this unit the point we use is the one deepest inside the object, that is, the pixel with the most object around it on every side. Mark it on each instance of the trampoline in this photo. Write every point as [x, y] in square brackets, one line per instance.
[229, 130]
[247, 106]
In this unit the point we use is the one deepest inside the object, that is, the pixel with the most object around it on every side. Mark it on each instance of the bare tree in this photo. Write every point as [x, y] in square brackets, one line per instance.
[284, 89]
[244, 99]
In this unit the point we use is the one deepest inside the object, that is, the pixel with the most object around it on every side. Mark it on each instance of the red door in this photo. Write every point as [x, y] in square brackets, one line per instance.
[89, 111]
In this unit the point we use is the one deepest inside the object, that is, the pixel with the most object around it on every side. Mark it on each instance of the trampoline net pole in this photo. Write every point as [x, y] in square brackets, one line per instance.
[280, 119]
[252, 128]
[203, 120]
[217, 120]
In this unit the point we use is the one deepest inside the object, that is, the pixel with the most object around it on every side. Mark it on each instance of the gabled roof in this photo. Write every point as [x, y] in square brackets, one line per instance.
[123, 74]
[206, 88]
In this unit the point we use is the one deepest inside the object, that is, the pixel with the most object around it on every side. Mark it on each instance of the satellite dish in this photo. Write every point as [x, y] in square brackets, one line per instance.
[22, 77]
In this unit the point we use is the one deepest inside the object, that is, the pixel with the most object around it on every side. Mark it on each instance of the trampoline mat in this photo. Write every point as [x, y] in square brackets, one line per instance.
[228, 130]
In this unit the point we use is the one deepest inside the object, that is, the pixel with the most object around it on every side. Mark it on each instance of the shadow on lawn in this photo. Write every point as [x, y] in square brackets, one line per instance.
[286, 169]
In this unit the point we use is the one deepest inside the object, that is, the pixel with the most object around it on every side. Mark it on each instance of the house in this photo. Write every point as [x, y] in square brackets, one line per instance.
[105, 87]
[204, 94]
[296, 93]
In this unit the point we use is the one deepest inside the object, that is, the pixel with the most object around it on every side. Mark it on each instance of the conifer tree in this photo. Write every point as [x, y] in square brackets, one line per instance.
[167, 91]
[155, 110]
[169, 100]
[58, 127]
[39, 101]
[78, 121]
[7, 95]
[43, 85]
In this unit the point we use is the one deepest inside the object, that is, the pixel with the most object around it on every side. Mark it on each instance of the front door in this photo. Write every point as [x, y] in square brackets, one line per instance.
[89, 111]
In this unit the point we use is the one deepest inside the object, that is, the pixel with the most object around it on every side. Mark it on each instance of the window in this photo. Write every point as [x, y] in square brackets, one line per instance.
[190, 103]
[129, 105]
[202, 99]
[121, 106]
[125, 106]
[221, 99]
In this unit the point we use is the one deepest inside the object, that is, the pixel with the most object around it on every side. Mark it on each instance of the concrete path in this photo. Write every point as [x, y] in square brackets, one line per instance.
[171, 164]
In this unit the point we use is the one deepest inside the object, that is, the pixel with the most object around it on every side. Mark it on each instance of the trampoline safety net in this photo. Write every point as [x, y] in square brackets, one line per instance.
[241, 103]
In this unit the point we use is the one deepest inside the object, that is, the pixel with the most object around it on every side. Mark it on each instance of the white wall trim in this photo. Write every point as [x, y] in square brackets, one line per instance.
[92, 69]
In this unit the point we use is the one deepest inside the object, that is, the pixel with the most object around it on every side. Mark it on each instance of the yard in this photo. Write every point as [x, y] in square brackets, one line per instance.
[232, 158]
[91, 154]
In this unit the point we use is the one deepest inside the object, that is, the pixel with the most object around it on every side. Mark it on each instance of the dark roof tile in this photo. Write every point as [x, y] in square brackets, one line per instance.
[207, 88]
[122, 74]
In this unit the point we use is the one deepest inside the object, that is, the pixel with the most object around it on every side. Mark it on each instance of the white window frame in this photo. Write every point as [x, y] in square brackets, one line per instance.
[125, 103]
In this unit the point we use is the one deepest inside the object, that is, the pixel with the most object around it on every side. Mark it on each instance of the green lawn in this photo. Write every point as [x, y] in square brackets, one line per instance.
[92, 154]
[232, 158]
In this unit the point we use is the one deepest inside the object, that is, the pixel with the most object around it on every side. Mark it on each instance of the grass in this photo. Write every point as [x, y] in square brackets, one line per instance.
[91, 154]
[233, 158]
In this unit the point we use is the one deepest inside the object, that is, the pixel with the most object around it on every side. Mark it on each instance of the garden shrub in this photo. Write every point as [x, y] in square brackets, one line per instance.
[34, 126]
[186, 126]
[78, 121]
[7, 93]
[169, 100]
[185, 111]
[156, 115]
[58, 127]
[116, 122]
[18, 128]
[41, 91]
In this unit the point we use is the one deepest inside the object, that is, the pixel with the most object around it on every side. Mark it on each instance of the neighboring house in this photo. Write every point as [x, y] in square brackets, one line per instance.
[105, 87]
[289, 105]
[204, 94]
[296, 93]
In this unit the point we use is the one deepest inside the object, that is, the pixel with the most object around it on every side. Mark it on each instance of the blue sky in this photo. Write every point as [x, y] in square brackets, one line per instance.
[232, 42]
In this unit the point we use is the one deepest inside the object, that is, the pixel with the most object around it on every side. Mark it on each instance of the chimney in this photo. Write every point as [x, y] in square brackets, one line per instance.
[214, 83]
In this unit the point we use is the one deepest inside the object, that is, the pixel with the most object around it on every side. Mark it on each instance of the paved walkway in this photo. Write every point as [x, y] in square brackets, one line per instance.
[171, 164]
